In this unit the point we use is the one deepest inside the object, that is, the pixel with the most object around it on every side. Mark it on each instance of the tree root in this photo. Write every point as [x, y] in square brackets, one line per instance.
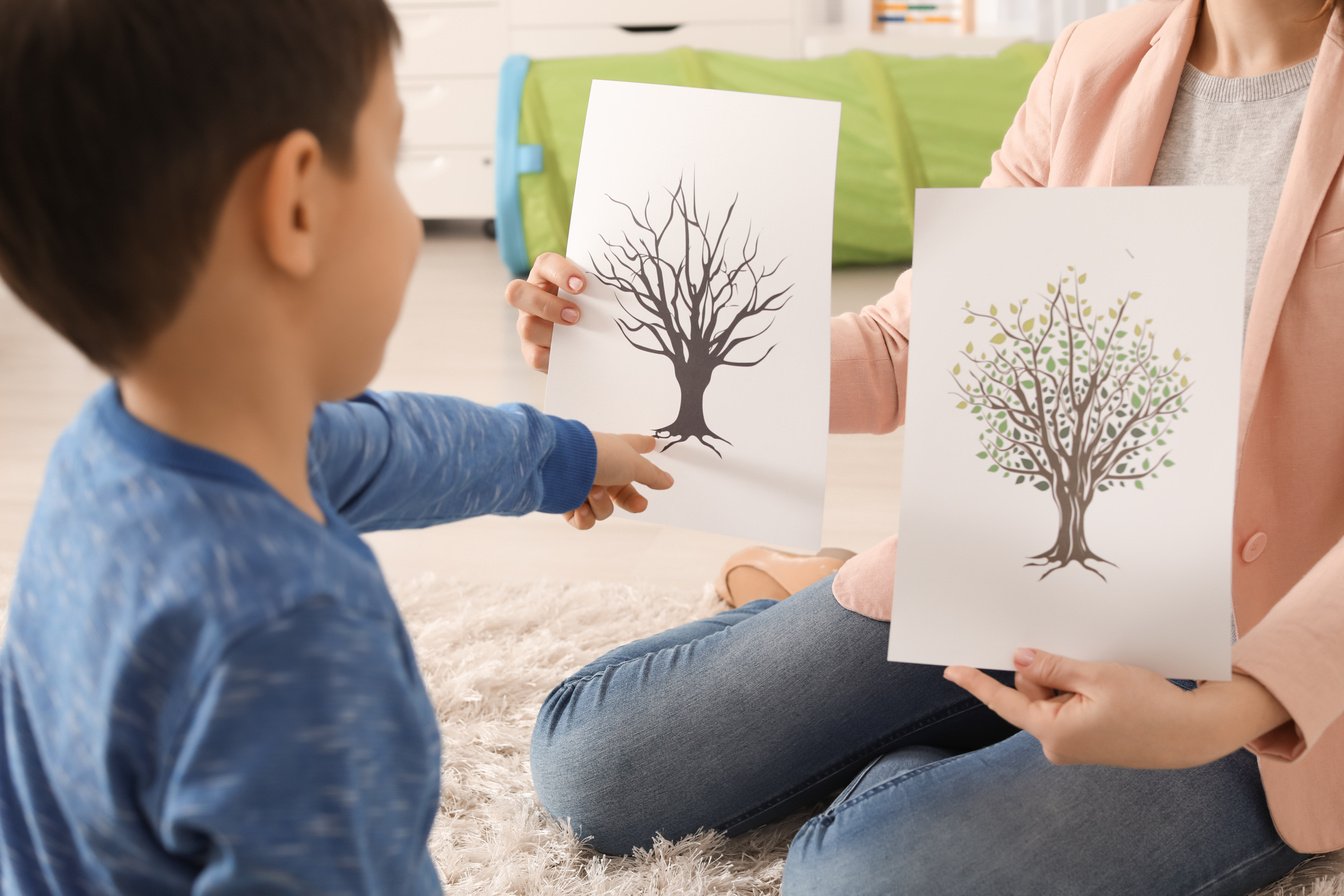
[679, 437]
[1055, 564]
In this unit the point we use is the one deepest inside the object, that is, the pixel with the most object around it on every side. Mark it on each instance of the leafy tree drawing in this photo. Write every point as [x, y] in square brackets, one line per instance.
[1075, 401]
[690, 293]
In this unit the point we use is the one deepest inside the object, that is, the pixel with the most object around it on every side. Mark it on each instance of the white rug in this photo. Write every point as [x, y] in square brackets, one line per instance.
[490, 654]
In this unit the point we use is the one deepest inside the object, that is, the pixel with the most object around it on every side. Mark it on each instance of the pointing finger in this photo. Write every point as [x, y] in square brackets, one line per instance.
[647, 473]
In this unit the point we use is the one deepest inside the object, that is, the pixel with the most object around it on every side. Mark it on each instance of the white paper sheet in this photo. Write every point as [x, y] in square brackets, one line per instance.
[743, 412]
[1149, 582]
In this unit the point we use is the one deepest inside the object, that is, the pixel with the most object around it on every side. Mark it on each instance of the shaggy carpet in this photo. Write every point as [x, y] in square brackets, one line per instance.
[489, 655]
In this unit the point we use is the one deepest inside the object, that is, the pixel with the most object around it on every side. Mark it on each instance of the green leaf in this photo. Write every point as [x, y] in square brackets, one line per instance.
[1020, 480]
[1043, 486]
[1028, 324]
[983, 455]
[1136, 402]
[998, 339]
[1138, 483]
[994, 468]
[1168, 463]
[1050, 365]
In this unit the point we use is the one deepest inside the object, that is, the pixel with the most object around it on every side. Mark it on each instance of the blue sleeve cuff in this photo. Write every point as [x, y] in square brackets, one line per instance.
[568, 473]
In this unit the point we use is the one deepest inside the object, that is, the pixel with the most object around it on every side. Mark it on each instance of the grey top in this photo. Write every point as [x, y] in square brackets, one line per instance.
[1237, 131]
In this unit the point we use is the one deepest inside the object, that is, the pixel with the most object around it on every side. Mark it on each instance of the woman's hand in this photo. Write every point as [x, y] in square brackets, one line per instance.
[620, 464]
[540, 308]
[1111, 714]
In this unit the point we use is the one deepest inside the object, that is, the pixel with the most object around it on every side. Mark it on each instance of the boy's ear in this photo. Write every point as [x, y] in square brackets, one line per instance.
[290, 199]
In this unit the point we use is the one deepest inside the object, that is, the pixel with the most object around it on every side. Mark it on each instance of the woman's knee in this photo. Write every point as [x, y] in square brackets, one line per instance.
[824, 861]
[868, 850]
[580, 766]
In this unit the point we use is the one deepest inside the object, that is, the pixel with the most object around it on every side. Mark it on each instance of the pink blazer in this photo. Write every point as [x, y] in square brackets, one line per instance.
[1095, 116]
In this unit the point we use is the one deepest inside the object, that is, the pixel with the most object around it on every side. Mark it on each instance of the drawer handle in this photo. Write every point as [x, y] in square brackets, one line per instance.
[648, 29]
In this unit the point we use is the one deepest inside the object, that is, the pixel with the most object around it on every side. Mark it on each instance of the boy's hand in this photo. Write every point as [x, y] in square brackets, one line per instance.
[620, 464]
[540, 308]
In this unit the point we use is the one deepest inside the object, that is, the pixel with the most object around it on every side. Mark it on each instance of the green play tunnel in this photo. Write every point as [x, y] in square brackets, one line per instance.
[906, 123]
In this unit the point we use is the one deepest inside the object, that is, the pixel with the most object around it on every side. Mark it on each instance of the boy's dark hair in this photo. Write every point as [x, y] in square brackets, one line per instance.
[125, 123]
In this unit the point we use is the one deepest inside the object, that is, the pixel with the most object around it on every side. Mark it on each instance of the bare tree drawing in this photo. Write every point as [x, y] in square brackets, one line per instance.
[690, 293]
[1073, 402]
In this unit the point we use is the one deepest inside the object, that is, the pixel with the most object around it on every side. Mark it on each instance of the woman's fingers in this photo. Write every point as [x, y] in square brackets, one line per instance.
[1033, 690]
[531, 299]
[535, 331]
[554, 271]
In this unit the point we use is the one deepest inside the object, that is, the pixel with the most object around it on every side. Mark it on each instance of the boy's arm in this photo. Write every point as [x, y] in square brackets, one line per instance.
[406, 460]
[308, 764]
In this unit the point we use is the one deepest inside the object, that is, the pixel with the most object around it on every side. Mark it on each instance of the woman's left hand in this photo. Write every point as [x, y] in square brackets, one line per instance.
[1086, 713]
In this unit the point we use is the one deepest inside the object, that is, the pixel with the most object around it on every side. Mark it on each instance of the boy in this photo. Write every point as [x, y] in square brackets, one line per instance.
[206, 687]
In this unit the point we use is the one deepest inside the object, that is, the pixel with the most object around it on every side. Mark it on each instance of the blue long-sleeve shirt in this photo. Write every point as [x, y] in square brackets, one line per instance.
[202, 690]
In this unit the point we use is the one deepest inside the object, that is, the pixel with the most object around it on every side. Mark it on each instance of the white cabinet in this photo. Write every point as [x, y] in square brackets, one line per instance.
[448, 70]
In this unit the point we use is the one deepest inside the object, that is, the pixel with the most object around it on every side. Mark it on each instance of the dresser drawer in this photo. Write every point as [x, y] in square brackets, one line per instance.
[646, 12]
[450, 40]
[775, 40]
[449, 111]
[449, 183]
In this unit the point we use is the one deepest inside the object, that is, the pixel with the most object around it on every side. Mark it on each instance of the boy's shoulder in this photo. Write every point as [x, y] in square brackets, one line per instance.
[131, 537]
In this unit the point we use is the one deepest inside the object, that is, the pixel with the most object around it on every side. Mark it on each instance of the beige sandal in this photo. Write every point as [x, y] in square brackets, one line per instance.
[762, 573]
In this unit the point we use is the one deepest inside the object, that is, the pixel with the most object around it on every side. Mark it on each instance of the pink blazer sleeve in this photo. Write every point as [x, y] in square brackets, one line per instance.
[1295, 653]
[868, 349]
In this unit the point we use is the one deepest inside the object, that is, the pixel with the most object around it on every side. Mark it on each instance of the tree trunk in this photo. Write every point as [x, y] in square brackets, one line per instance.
[690, 422]
[1071, 538]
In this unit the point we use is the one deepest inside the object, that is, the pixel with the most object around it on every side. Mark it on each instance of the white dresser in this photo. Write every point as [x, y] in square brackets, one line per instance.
[448, 70]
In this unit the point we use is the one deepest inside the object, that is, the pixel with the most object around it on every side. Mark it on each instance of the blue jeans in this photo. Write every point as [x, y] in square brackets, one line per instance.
[740, 719]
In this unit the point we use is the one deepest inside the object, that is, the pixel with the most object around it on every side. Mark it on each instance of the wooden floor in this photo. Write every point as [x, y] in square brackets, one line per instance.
[456, 336]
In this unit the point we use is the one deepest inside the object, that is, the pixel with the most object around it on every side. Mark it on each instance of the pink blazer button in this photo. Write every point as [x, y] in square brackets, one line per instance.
[1255, 546]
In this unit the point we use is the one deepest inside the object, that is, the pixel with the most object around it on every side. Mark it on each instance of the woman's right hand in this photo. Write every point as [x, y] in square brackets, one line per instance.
[540, 307]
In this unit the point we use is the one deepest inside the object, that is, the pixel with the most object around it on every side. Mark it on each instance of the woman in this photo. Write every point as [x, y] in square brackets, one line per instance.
[1123, 783]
